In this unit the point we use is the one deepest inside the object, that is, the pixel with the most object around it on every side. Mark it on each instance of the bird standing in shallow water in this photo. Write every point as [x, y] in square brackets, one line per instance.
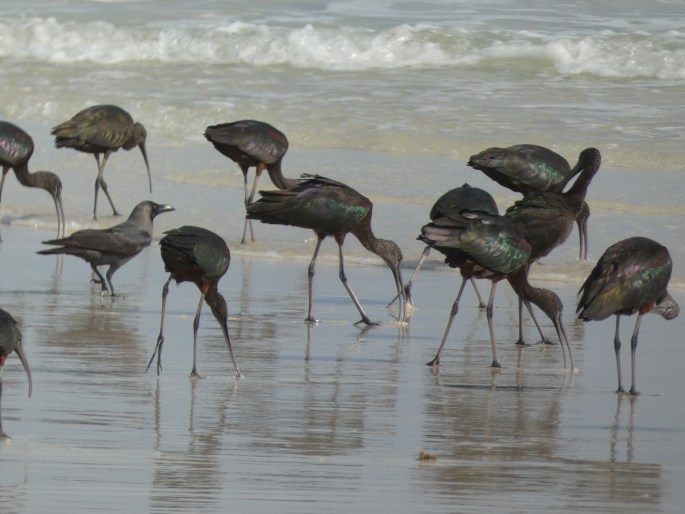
[252, 143]
[631, 277]
[195, 254]
[102, 129]
[452, 203]
[10, 341]
[16, 148]
[531, 168]
[546, 219]
[114, 246]
[329, 208]
[489, 246]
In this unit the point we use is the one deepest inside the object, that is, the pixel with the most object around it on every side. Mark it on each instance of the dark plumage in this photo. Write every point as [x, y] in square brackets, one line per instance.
[531, 168]
[329, 208]
[481, 246]
[546, 219]
[197, 255]
[16, 148]
[10, 341]
[631, 277]
[102, 129]
[490, 246]
[252, 143]
[114, 246]
[452, 204]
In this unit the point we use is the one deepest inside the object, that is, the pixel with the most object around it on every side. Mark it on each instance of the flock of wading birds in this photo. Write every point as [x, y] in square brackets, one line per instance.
[631, 276]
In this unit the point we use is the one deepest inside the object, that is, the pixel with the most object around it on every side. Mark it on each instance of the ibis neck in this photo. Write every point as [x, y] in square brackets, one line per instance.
[276, 175]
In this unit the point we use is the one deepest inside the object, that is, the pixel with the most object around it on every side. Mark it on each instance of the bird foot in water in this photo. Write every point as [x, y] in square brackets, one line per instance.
[311, 320]
[368, 322]
[434, 362]
[495, 364]
[520, 342]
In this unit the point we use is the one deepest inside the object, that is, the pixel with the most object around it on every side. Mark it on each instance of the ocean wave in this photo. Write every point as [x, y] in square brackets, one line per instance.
[605, 54]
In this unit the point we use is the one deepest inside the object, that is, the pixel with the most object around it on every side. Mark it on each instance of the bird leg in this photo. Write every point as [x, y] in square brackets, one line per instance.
[453, 313]
[248, 201]
[160, 337]
[343, 278]
[2, 433]
[310, 278]
[110, 271]
[481, 303]
[101, 280]
[543, 339]
[196, 326]
[617, 350]
[100, 181]
[488, 315]
[633, 349]
[407, 286]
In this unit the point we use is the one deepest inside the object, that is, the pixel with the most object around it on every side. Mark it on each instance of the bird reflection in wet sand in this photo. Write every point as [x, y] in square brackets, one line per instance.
[114, 246]
[102, 129]
[16, 148]
[197, 255]
[631, 277]
[330, 208]
[10, 341]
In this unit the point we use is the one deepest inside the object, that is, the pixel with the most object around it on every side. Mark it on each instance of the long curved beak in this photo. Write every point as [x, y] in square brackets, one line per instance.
[25, 363]
[147, 164]
[61, 223]
[400, 294]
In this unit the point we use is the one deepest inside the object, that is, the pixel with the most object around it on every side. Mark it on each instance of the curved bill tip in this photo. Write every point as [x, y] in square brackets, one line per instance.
[24, 361]
[147, 164]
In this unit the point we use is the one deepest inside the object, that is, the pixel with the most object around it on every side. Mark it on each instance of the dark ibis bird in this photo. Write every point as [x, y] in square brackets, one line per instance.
[489, 246]
[197, 255]
[16, 148]
[529, 168]
[113, 246]
[630, 277]
[546, 219]
[452, 203]
[101, 130]
[10, 341]
[252, 143]
[329, 208]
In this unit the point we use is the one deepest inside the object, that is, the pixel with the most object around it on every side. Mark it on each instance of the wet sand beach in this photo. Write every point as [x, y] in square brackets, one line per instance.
[331, 417]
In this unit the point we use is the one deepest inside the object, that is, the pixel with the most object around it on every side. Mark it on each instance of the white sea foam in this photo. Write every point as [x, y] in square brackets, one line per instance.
[605, 54]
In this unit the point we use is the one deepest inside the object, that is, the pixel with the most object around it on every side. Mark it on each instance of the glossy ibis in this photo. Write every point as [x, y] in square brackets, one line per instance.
[10, 341]
[452, 203]
[329, 208]
[197, 255]
[530, 168]
[546, 219]
[102, 129]
[114, 246]
[489, 246]
[252, 143]
[630, 277]
[16, 148]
